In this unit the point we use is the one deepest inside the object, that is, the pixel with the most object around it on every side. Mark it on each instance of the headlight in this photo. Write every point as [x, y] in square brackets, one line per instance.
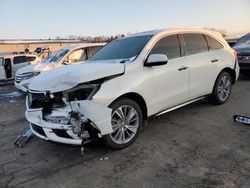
[29, 75]
[82, 92]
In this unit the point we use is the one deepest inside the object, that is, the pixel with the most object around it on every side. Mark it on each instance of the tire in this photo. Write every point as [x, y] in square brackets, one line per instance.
[222, 89]
[127, 129]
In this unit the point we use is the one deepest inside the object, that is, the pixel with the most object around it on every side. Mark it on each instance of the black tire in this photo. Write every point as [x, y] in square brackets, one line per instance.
[120, 103]
[215, 97]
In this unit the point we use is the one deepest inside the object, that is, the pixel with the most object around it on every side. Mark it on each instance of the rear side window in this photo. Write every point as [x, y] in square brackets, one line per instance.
[19, 59]
[213, 44]
[195, 43]
[31, 58]
[169, 46]
[92, 50]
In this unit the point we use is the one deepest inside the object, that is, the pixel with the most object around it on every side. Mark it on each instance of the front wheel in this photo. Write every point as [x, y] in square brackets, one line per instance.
[222, 88]
[126, 122]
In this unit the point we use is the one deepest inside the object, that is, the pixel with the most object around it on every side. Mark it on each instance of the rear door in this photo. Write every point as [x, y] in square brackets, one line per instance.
[2, 71]
[202, 65]
[18, 62]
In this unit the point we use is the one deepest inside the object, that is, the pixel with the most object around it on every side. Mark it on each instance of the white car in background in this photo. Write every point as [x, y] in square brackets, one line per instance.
[127, 81]
[63, 56]
[9, 64]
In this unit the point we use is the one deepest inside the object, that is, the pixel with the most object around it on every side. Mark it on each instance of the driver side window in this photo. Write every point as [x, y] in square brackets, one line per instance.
[168, 46]
[77, 55]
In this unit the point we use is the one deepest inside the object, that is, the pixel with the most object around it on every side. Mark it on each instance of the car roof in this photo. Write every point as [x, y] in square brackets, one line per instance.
[82, 45]
[17, 55]
[176, 30]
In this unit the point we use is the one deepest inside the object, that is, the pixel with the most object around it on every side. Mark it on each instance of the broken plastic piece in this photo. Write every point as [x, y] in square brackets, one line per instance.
[23, 139]
[241, 119]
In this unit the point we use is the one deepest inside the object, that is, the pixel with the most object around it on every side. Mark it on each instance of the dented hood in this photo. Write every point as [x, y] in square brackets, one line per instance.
[69, 76]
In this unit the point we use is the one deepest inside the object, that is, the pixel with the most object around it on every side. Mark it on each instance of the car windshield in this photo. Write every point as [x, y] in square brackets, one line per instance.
[124, 48]
[57, 56]
[243, 40]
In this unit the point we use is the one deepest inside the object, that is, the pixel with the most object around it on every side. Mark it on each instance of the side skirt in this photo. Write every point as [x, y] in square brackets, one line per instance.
[179, 106]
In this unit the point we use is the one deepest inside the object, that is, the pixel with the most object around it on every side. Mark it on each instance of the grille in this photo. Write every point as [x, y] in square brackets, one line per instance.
[18, 79]
[243, 55]
[24, 76]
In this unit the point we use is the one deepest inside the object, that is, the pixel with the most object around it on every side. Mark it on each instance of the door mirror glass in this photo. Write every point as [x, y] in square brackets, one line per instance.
[248, 42]
[156, 60]
[66, 62]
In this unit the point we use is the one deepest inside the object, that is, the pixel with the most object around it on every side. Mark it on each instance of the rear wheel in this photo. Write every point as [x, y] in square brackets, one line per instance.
[126, 122]
[222, 88]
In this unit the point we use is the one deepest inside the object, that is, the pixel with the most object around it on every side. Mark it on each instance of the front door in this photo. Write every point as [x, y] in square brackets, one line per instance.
[171, 81]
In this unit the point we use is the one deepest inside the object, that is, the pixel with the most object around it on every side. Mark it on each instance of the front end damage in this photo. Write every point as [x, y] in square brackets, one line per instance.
[67, 117]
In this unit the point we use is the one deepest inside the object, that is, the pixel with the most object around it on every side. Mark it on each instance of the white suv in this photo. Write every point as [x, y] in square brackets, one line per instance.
[63, 56]
[130, 79]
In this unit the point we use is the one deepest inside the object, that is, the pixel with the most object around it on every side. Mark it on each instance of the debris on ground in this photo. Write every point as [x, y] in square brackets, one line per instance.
[23, 139]
[242, 119]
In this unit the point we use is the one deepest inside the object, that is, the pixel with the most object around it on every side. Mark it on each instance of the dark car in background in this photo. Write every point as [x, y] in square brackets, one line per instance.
[242, 47]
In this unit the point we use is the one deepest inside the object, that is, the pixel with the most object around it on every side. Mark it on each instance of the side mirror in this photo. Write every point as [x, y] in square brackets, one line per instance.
[156, 60]
[66, 62]
[248, 42]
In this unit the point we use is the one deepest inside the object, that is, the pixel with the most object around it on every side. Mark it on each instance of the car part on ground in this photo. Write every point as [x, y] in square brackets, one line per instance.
[23, 139]
[143, 75]
[242, 119]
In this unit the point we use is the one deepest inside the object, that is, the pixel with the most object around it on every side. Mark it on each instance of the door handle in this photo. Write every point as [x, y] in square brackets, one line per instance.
[182, 68]
[214, 60]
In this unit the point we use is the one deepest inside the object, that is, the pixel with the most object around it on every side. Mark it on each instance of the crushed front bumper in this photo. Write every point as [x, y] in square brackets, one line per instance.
[99, 115]
[22, 86]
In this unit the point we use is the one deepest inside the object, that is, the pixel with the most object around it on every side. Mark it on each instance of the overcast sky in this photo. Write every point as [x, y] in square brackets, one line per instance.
[50, 18]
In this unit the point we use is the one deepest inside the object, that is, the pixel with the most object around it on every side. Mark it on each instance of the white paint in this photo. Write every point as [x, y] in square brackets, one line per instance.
[162, 87]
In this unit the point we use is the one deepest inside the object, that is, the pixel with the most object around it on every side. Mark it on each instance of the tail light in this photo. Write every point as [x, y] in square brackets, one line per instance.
[235, 54]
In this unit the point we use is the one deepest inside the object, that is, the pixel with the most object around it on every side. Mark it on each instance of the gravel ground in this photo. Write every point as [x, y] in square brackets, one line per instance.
[196, 146]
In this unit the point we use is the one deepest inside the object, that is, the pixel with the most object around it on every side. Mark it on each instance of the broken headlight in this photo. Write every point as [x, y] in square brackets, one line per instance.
[82, 92]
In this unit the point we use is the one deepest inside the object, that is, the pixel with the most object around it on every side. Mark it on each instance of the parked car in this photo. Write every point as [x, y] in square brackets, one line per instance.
[243, 49]
[63, 56]
[127, 81]
[42, 52]
[9, 64]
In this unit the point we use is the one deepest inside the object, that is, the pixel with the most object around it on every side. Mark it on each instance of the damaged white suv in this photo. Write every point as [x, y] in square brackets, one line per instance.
[127, 81]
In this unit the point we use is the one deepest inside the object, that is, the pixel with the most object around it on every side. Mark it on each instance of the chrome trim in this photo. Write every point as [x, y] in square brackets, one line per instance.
[179, 106]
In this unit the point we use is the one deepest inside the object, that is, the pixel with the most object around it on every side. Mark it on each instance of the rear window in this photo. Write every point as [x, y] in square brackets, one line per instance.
[19, 59]
[213, 44]
[195, 43]
[168, 46]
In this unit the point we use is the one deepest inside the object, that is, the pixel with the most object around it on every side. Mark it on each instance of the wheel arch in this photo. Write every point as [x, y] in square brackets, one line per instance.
[138, 99]
[231, 72]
